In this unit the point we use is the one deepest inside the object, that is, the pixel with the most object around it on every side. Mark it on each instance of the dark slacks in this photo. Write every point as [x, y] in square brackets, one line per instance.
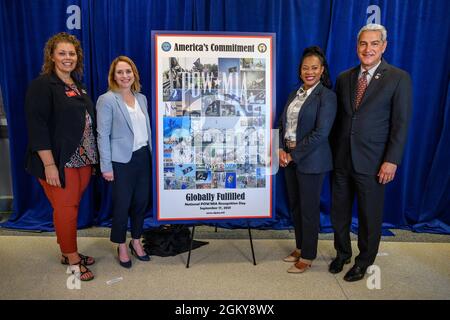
[130, 193]
[346, 183]
[304, 202]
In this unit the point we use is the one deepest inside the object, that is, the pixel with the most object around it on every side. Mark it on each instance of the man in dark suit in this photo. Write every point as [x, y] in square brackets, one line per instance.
[369, 134]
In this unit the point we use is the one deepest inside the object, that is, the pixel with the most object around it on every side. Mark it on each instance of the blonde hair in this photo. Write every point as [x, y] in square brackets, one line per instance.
[112, 84]
[48, 66]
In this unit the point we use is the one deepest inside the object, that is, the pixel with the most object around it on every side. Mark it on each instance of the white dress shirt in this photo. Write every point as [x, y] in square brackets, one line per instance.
[139, 125]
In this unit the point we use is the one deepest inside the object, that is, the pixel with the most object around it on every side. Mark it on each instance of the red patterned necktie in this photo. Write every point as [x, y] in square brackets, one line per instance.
[361, 88]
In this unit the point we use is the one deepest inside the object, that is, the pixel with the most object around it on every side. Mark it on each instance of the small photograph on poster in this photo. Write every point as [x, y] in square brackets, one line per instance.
[230, 180]
[254, 80]
[218, 180]
[169, 172]
[198, 154]
[173, 109]
[218, 167]
[185, 170]
[191, 105]
[182, 153]
[172, 77]
[260, 177]
[246, 181]
[252, 64]
[170, 183]
[198, 139]
[168, 151]
[217, 156]
[227, 110]
[202, 176]
[210, 106]
[255, 122]
[246, 168]
[168, 162]
[229, 72]
[183, 177]
[230, 155]
[200, 76]
[255, 97]
[175, 128]
[170, 109]
[230, 167]
[213, 155]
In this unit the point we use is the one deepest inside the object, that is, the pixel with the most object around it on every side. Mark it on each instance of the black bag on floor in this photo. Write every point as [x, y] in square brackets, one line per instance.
[169, 240]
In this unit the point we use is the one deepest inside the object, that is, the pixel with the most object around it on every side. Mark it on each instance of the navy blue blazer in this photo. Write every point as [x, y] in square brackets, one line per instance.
[312, 155]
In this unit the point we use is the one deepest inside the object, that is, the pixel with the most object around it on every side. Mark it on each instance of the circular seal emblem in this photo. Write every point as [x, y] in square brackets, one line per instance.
[262, 47]
[166, 46]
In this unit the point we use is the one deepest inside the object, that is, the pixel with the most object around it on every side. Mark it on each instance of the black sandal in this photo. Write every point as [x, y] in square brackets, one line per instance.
[79, 274]
[84, 260]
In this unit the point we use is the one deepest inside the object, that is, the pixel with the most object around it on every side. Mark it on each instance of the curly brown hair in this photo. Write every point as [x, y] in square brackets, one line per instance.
[48, 66]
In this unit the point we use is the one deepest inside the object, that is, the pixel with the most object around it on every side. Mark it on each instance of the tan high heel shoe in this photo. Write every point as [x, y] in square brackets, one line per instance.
[294, 256]
[299, 267]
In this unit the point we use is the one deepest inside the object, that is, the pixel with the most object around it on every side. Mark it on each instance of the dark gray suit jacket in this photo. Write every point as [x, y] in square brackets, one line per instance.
[377, 131]
[312, 154]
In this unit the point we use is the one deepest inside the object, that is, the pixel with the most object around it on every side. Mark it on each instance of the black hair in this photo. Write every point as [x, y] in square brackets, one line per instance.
[317, 52]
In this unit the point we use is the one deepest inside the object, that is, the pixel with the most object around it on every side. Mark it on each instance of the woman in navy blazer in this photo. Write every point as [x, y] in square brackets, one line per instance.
[305, 153]
[124, 142]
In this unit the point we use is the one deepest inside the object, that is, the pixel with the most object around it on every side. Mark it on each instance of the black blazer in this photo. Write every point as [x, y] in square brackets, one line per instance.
[377, 131]
[55, 122]
[313, 153]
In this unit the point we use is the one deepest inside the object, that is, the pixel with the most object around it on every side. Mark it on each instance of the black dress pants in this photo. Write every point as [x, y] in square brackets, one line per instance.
[346, 183]
[130, 193]
[304, 203]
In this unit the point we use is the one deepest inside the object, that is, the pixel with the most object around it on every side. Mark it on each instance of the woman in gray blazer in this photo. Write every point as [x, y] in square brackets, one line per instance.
[124, 143]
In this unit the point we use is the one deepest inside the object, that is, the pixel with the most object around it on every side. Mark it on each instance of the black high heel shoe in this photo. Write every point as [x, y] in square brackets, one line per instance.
[123, 264]
[134, 253]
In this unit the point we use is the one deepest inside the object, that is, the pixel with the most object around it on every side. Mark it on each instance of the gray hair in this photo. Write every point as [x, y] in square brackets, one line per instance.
[374, 27]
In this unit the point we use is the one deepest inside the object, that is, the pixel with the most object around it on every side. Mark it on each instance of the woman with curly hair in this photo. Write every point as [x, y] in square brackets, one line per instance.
[61, 142]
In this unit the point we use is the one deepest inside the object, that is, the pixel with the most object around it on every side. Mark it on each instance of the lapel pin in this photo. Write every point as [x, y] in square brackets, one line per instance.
[377, 76]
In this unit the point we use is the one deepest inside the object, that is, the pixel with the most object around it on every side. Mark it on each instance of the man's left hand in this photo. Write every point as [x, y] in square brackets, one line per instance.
[387, 172]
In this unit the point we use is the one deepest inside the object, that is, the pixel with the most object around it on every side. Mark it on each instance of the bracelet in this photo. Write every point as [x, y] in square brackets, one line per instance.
[48, 165]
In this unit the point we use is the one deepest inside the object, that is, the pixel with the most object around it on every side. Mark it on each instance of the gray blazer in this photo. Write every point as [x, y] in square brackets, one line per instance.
[114, 129]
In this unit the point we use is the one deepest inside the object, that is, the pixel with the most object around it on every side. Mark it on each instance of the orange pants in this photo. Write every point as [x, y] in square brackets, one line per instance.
[65, 202]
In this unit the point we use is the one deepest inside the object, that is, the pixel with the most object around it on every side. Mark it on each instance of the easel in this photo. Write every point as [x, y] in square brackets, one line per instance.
[192, 239]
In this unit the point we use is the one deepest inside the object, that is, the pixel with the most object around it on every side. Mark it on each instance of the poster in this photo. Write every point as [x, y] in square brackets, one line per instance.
[213, 113]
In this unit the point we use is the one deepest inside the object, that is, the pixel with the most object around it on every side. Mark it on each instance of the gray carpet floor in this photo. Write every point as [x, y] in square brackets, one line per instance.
[223, 269]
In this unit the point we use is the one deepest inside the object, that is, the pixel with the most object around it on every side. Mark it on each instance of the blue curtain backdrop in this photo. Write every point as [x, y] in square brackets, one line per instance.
[418, 41]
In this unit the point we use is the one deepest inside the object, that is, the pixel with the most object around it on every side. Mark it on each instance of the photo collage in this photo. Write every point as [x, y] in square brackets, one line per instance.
[214, 123]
